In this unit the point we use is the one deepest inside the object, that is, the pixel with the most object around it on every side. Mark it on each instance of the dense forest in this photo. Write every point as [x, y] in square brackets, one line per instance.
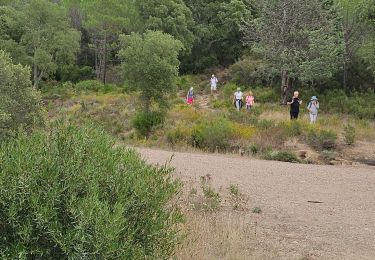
[318, 43]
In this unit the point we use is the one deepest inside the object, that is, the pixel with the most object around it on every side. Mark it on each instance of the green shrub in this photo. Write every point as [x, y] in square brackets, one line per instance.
[322, 139]
[145, 122]
[253, 149]
[283, 156]
[74, 73]
[349, 134]
[20, 104]
[89, 85]
[71, 193]
[215, 134]
[179, 134]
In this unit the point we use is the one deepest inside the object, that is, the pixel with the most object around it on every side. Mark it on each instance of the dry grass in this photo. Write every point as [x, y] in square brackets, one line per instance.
[220, 235]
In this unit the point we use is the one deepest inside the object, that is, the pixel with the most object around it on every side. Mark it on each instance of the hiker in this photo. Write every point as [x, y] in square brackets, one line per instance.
[249, 101]
[190, 96]
[214, 82]
[237, 99]
[294, 103]
[313, 108]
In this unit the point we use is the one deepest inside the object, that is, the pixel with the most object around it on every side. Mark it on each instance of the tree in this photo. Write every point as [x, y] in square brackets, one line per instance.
[298, 38]
[354, 27]
[150, 62]
[217, 28]
[20, 104]
[169, 16]
[40, 30]
[105, 20]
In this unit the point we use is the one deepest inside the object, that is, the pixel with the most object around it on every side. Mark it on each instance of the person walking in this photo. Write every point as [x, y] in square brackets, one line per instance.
[213, 82]
[294, 103]
[190, 96]
[237, 99]
[313, 108]
[249, 101]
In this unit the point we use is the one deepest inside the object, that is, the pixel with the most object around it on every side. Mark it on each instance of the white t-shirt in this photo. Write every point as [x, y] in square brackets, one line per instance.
[238, 95]
[214, 81]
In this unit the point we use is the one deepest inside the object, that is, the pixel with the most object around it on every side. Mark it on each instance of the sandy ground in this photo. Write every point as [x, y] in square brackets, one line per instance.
[342, 226]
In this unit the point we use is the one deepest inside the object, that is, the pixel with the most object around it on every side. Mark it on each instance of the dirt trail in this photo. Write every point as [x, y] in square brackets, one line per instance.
[341, 227]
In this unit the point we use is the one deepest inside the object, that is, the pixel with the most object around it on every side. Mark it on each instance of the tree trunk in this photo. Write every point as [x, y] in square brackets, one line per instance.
[286, 86]
[35, 76]
[105, 58]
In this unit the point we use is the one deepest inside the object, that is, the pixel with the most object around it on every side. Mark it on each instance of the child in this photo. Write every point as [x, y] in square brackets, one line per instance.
[190, 96]
[294, 103]
[249, 101]
[313, 108]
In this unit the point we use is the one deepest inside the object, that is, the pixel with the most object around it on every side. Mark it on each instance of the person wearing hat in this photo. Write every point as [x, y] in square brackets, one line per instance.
[313, 108]
[190, 96]
[237, 99]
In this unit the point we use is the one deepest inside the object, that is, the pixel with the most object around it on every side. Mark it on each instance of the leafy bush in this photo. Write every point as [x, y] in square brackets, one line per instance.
[251, 71]
[89, 85]
[322, 139]
[360, 105]
[349, 134]
[145, 122]
[179, 134]
[20, 104]
[75, 73]
[78, 196]
[212, 134]
[283, 156]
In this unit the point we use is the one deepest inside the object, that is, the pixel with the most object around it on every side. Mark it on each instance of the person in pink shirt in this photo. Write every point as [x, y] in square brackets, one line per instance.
[249, 101]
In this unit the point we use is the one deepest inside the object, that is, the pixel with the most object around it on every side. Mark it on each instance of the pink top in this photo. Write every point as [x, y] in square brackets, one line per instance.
[250, 100]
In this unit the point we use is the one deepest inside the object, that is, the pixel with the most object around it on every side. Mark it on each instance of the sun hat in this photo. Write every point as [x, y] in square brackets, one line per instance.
[238, 89]
[314, 98]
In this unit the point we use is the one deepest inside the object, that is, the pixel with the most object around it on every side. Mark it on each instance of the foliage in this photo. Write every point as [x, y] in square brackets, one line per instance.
[322, 139]
[298, 38]
[89, 85]
[150, 63]
[169, 16]
[37, 33]
[76, 195]
[349, 134]
[20, 104]
[145, 122]
[217, 28]
[283, 156]
[215, 134]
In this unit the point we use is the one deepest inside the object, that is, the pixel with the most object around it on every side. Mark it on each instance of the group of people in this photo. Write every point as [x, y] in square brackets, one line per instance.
[295, 102]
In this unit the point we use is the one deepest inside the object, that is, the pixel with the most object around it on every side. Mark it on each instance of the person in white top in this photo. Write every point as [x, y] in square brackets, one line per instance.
[237, 99]
[214, 82]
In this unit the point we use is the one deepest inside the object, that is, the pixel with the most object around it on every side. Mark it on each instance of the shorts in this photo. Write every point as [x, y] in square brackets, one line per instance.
[213, 87]
[190, 100]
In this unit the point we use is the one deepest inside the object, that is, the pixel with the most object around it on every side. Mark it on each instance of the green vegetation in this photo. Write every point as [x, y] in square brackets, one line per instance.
[349, 134]
[77, 195]
[20, 105]
[283, 156]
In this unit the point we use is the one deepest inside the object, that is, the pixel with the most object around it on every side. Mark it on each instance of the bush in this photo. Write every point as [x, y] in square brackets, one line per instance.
[75, 73]
[349, 134]
[322, 139]
[20, 104]
[78, 196]
[212, 134]
[89, 85]
[283, 156]
[145, 122]
[179, 134]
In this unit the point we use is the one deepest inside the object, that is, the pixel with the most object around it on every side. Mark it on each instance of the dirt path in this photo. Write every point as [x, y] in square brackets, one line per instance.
[341, 227]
